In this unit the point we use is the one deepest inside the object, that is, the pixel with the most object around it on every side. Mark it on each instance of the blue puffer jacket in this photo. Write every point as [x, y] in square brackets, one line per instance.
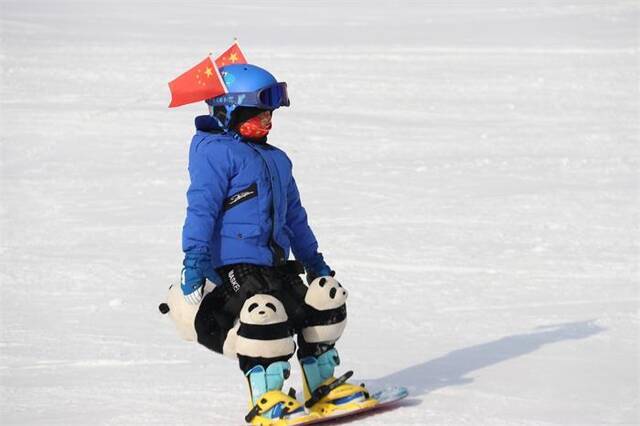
[243, 203]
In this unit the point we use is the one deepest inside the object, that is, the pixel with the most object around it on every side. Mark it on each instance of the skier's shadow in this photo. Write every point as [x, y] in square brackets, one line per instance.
[452, 368]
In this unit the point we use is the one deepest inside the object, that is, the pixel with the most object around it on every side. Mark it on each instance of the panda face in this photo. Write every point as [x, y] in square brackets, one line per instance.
[262, 309]
[326, 293]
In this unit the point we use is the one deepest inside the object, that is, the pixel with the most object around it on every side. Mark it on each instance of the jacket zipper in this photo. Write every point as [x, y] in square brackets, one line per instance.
[276, 251]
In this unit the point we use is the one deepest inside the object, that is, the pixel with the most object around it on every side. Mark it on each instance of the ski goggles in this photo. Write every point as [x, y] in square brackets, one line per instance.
[270, 98]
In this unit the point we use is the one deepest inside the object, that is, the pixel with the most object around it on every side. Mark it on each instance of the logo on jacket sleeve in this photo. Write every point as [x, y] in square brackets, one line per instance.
[241, 196]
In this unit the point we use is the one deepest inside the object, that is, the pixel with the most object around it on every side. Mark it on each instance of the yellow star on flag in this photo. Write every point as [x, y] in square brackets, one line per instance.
[233, 55]
[198, 83]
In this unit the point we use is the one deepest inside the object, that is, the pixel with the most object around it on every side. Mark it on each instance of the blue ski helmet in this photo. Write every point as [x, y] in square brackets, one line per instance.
[250, 86]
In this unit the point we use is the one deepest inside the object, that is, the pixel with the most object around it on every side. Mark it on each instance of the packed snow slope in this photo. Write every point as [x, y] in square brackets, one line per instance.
[470, 170]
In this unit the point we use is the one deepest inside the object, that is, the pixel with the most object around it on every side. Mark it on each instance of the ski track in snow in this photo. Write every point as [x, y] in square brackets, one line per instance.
[470, 170]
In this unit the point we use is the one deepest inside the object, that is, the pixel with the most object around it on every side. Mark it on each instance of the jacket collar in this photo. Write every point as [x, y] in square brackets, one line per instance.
[206, 123]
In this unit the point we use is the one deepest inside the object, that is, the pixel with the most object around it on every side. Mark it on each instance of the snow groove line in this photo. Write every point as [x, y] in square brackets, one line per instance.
[93, 364]
[539, 305]
[401, 52]
[406, 267]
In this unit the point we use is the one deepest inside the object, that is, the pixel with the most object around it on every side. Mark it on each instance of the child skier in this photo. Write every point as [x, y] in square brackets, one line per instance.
[244, 216]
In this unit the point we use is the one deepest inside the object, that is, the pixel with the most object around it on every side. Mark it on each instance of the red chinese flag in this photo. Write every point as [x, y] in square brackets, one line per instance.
[199, 83]
[232, 55]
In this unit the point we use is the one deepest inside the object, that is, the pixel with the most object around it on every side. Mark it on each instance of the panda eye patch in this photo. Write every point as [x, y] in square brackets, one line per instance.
[252, 306]
[271, 306]
[332, 293]
[322, 282]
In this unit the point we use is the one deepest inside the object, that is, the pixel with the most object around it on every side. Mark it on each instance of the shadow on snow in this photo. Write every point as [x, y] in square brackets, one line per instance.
[452, 369]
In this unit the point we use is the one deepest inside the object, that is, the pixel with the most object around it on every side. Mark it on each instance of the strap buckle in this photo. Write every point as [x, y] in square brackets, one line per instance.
[324, 390]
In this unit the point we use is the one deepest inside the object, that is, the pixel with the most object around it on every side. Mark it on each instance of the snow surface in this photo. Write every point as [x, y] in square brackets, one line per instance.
[470, 169]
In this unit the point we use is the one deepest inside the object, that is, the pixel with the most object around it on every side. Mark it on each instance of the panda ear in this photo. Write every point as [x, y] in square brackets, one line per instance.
[322, 282]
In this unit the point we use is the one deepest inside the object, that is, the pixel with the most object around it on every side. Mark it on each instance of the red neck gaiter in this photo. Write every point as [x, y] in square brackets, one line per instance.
[256, 127]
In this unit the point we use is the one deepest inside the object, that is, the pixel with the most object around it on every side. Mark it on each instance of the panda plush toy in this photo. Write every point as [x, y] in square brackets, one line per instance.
[263, 330]
[327, 311]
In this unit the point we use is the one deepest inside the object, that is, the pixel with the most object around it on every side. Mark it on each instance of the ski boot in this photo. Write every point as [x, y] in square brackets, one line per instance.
[269, 405]
[327, 395]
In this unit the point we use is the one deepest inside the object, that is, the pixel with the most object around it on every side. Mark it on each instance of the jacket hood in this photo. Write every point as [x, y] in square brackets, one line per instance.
[207, 123]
